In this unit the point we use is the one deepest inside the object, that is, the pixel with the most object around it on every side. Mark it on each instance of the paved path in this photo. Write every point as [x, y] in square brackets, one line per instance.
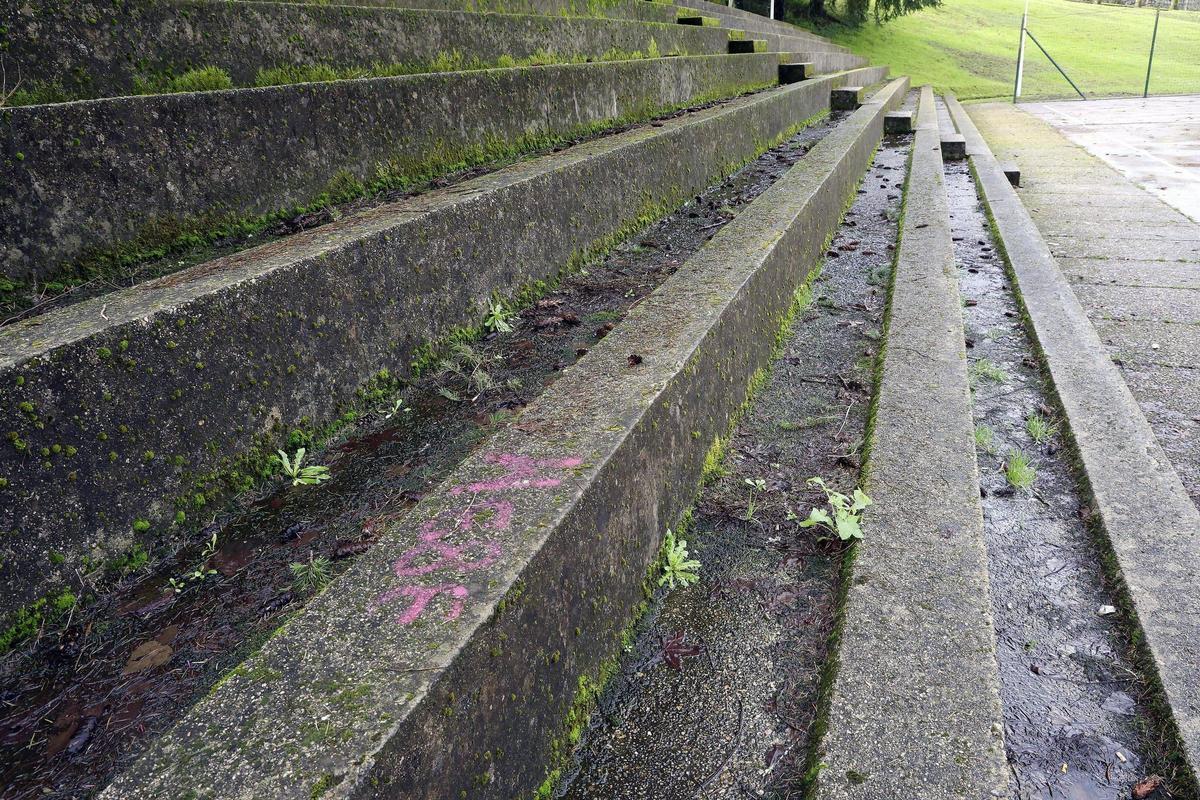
[1155, 142]
[1133, 260]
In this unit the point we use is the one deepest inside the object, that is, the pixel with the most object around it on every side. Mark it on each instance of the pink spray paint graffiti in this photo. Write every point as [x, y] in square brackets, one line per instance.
[434, 553]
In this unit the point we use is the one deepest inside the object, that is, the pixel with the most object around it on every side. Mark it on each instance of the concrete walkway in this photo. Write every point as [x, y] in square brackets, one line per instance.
[1132, 259]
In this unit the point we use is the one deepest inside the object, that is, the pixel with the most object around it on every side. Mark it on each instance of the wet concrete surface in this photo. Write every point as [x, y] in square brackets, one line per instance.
[1076, 725]
[1131, 258]
[76, 705]
[1154, 142]
[717, 696]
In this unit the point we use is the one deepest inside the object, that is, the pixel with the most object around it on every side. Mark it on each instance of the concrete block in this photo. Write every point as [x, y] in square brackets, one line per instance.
[899, 122]
[698, 19]
[954, 147]
[847, 98]
[1011, 171]
[794, 73]
[747, 46]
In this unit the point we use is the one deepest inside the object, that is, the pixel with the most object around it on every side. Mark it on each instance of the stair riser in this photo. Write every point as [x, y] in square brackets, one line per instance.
[255, 342]
[490, 690]
[95, 174]
[102, 53]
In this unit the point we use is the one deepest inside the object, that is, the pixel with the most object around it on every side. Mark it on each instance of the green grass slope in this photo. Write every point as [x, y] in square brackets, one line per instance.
[969, 47]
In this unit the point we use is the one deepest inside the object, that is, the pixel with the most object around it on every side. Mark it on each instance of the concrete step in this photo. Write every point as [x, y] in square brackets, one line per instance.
[97, 182]
[1139, 504]
[127, 48]
[847, 98]
[648, 11]
[748, 20]
[226, 358]
[914, 708]
[747, 46]
[900, 122]
[472, 663]
[823, 61]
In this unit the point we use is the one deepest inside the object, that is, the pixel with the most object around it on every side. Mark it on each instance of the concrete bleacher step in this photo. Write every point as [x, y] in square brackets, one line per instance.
[646, 10]
[796, 71]
[914, 707]
[96, 180]
[87, 52]
[227, 357]
[1135, 497]
[823, 61]
[733, 17]
[472, 698]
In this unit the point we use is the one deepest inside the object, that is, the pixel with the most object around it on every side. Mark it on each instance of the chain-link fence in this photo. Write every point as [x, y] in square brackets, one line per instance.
[1125, 49]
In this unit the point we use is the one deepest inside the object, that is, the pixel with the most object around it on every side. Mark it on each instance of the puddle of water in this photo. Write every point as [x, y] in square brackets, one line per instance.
[716, 699]
[1074, 722]
[82, 702]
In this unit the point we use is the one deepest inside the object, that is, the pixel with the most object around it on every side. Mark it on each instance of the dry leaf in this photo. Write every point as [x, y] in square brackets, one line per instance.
[147, 656]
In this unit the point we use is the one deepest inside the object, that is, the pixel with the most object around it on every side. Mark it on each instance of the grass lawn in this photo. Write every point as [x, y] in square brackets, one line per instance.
[969, 47]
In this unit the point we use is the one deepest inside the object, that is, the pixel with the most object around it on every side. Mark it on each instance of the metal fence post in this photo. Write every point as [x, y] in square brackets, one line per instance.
[1150, 61]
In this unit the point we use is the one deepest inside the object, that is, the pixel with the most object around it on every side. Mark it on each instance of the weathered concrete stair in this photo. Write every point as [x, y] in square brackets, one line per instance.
[87, 177]
[652, 11]
[741, 19]
[154, 391]
[1143, 509]
[455, 676]
[914, 709]
[102, 51]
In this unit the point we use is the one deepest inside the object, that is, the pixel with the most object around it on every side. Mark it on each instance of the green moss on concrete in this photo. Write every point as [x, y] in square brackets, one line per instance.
[25, 622]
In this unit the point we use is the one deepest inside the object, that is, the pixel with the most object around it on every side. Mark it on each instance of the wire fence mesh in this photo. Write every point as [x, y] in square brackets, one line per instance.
[1110, 50]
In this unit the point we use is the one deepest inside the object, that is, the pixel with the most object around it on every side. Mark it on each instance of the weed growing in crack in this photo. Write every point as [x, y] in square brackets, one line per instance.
[497, 319]
[677, 567]
[467, 364]
[847, 512]
[1019, 470]
[312, 575]
[201, 571]
[1040, 429]
[300, 474]
[984, 368]
[984, 439]
[756, 485]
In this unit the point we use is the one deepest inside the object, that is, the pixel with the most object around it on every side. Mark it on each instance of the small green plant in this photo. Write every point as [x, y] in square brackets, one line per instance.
[677, 567]
[1040, 429]
[312, 575]
[467, 364]
[984, 368]
[756, 485]
[497, 319]
[984, 438]
[301, 474]
[201, 570]
[398, 407]
[1019, 470]
[847, 512]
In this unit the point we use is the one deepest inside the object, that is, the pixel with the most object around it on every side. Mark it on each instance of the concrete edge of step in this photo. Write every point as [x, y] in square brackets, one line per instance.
[134, 170]
[914, 704]
[103, 51]
[152, 394]
[426, 677]
[1150, 523]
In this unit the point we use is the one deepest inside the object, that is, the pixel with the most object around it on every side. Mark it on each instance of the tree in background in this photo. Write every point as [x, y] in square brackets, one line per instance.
[853, 12]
